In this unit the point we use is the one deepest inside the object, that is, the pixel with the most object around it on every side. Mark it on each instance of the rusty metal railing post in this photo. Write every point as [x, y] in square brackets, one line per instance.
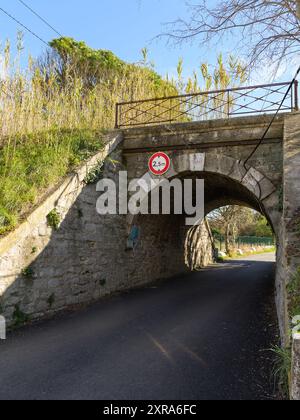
[117, 126]
[296, 86]
[228, 104]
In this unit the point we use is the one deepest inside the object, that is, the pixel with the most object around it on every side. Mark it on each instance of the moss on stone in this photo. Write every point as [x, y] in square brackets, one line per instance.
[19, 317]
[293, 290]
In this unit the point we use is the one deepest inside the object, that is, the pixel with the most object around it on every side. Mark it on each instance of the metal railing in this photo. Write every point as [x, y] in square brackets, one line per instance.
[240, 241]
[217, 104]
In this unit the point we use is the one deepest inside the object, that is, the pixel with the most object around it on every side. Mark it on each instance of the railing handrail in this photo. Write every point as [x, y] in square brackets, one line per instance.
[208, 92]
[154, 100]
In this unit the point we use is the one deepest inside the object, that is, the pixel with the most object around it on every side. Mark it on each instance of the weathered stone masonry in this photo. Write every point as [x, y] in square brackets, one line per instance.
[87, 258]
[215, 151]
[295, 379]
[43, 271]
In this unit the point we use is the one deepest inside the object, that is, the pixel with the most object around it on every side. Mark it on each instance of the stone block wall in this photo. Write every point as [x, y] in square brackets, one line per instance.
[43, 270]
[288, 258]
[219, 150]
[295, 383]
[290, 237]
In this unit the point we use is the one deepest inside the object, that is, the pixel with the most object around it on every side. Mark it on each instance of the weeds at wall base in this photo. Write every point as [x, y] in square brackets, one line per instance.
[282, 369]
[19, 318]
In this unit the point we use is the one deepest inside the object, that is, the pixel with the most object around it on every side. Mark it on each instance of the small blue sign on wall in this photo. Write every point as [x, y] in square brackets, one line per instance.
[133, 238]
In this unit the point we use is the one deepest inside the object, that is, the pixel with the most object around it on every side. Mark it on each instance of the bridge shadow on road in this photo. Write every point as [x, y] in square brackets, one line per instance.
[201, 336]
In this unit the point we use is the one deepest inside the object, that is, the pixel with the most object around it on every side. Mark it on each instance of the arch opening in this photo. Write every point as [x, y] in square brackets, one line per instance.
[193, 247]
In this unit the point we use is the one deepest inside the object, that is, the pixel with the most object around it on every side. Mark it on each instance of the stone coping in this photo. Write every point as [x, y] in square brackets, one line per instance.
[203, 125]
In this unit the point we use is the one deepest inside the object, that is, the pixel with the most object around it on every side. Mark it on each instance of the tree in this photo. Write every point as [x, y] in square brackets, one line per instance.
[268, 30]
[258, 226]
[70, 60]
[229, 220]
[234, 221]
[262, 228]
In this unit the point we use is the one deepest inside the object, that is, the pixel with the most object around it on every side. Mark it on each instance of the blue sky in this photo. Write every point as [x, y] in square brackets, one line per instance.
[123, 26]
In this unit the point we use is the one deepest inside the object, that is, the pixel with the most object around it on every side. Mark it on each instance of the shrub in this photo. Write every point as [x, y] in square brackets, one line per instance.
[53, 219]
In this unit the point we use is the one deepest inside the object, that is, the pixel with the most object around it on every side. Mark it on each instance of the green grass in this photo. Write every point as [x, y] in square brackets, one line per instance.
[30, 164]
[282, 368]
[248, 254]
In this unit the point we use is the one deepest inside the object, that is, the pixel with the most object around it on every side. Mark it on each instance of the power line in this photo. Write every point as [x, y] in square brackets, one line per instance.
[40, 17]
[274, 117]
[23, 26]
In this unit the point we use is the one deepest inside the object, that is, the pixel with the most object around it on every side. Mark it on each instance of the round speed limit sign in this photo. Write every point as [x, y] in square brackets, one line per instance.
[159, 163]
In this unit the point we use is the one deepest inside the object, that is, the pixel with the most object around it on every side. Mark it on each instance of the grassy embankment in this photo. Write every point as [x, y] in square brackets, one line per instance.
[53, 114]
[51, 122]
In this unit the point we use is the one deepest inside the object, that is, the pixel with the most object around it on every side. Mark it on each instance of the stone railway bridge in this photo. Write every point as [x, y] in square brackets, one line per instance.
[88, 256]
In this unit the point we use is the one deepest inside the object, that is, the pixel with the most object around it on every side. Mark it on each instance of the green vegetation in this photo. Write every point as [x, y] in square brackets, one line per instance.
[54, 115]
[293, 289]
[234, 254]
[28, 272]
[236, 227]
[29, 164]
[280, 199]
[74, 60]
[19, 317]
[262, 228]
[54, 112]
[51, 300]
[282, 368]
[94, 174]
[53, 219]
[7, 221]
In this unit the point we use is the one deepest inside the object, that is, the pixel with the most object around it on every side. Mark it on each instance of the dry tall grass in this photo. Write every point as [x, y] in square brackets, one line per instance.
[33, 102]
[48, 127]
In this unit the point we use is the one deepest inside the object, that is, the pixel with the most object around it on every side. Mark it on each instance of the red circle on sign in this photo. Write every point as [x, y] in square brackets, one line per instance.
[159, 163]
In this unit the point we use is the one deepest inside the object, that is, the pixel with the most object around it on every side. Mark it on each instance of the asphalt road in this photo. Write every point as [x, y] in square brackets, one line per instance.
[203, 336]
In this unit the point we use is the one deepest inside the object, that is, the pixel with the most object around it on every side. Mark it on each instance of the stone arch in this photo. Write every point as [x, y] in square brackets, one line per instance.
[256, 188]
[258, 191]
